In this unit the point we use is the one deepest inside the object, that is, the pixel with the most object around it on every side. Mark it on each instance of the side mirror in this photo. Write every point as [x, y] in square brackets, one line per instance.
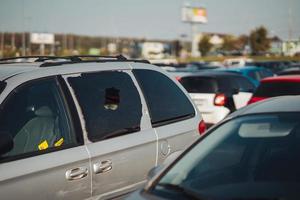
[154, 171]
[6, 143]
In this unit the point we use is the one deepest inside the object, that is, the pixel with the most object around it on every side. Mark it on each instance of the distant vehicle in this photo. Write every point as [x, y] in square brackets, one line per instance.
[216, 94]
[153, 50]
[254, 74]
[276, 86]
[82, 129]
[293, 69]
[274, 66]
[236, 62]
[253, 154]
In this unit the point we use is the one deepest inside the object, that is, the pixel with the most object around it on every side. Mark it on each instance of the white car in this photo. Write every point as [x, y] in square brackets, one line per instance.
[216, 94]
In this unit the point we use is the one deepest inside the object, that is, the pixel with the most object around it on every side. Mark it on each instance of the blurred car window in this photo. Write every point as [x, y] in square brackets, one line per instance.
[163, 97]
[110, 103]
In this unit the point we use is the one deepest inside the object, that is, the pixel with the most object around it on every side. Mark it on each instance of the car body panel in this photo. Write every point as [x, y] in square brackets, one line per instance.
[211, 113]
[44, 176]
[241, 99]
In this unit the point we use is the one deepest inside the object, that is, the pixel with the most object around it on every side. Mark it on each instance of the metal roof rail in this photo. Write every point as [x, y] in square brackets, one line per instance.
[78, 60]
[81, 57]
[29, 59]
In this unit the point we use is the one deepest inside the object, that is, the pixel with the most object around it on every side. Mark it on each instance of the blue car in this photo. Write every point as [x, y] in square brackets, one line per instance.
[254, 74]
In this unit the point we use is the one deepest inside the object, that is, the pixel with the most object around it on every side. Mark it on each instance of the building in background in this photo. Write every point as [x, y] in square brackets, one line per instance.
[291, 47]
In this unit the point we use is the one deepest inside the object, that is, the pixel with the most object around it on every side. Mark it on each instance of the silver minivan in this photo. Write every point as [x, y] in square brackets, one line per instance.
[77, 129]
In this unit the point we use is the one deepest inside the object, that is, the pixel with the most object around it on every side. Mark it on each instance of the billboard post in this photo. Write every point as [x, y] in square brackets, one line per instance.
[194, 15]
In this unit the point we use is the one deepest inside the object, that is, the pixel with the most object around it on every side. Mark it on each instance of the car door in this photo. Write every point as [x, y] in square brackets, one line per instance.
[120, 140]
[47, 159]
[173, 116]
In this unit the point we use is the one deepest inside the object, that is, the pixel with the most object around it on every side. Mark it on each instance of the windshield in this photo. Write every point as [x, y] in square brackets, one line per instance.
[251, 157]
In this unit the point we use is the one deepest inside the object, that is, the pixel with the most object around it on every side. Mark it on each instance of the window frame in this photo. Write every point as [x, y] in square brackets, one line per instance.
[67, 104]
[94, 139]
[167, 121]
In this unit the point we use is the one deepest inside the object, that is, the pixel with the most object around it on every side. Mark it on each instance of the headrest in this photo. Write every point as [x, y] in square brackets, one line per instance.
[43, 111]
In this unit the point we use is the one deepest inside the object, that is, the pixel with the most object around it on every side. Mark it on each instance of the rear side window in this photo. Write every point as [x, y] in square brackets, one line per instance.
[273, 89]
[196, 84]
[110, 103]
[166, 101]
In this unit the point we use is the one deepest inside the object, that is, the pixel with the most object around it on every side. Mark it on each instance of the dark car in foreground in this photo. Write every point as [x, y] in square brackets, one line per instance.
[253, 154]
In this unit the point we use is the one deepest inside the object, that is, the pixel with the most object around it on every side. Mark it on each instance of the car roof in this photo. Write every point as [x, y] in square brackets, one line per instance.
[8, 70]
[271, 105]
[245, 68]
[208, 73]
[286, 78]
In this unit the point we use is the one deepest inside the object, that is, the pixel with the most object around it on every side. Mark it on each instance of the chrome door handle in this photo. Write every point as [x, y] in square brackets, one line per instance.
[102, 167]
[76, 173]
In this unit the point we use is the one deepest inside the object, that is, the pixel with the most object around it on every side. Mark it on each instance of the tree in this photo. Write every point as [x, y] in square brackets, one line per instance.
[229, 43]
[205, 45]
[259, 41]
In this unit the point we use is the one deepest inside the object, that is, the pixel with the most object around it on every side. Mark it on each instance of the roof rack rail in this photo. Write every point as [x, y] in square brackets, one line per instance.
[28, 59]
[79, 57]
[74, 61]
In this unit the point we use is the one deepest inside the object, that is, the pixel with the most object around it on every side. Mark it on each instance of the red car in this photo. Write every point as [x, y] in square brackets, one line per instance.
[276, 86]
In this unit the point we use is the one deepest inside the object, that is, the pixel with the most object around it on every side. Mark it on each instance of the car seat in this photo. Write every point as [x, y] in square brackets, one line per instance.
[39, 130]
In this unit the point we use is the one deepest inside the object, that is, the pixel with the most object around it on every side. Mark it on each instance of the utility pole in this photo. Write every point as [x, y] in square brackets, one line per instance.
[290, 21]
[13, 41]
[195, 52]
[23, 33]
[2, 44]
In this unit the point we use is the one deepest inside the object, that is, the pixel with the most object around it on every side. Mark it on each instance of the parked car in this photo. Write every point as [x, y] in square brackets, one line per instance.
[79, 128]
[295, 70]
[276, 86]
[216, 94]
[254, 74]
[253, 154]
[274, 66]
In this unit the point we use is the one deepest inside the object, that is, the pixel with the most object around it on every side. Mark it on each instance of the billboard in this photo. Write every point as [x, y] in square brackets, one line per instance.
[42, 38]
[194, 14]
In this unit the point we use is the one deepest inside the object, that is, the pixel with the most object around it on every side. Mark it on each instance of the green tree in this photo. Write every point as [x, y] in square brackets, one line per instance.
[205, 45]
[229, 43]
[259, 41]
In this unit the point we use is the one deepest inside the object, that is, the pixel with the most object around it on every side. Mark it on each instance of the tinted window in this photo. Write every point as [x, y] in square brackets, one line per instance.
[226, 84]
[254, 75]
[273, 89]
[2, 86]
[196, 84]
[166, 101]
[36, 118]
[244, 84]
[110, 103]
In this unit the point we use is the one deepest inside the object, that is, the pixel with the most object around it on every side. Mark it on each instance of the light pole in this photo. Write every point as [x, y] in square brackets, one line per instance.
[2, 44]
[23, 33]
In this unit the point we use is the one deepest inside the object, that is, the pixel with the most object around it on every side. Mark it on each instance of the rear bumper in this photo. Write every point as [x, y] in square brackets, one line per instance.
[214, 114]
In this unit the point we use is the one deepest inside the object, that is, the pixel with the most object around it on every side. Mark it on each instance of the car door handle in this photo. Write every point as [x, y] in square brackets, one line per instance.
[102, 167]
[76, 173]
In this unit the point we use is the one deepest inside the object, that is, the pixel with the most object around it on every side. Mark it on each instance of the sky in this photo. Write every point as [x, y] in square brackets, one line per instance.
[150, 19]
